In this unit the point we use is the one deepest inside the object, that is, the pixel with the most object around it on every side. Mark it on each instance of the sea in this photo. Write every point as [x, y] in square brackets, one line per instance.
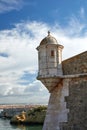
[5, 125]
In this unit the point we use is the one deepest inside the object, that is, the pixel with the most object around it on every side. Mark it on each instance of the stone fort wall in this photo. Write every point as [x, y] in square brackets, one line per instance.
[67, 109]
[76, 102]
[75, 65]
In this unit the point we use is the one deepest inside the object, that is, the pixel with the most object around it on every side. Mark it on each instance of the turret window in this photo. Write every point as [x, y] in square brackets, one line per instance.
[52, 53]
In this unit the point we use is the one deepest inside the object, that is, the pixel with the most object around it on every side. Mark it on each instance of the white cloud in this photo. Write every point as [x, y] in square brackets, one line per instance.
[35, 86]
[33, 93]
[75, 27]
[8, 5]
[20, 44]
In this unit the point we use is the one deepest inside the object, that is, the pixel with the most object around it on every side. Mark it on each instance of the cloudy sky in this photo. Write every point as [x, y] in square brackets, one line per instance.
[23, 24]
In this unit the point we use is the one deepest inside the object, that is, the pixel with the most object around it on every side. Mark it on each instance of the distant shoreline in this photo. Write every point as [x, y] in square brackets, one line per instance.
[7, 106]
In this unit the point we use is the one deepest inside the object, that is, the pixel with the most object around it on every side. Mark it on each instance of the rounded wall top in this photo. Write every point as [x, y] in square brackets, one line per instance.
[48, 40]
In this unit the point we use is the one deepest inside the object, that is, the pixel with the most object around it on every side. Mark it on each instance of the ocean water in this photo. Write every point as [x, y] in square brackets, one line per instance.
[5, 125]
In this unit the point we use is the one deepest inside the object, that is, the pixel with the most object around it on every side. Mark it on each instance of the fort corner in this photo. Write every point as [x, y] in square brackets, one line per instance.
[67, 83]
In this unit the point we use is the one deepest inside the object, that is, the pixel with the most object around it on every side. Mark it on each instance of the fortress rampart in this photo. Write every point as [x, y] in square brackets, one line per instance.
[67, 83]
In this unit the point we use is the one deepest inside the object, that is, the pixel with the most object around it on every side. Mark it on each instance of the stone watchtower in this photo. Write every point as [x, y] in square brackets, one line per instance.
[66, 81]
[49, 58]
[50, 73]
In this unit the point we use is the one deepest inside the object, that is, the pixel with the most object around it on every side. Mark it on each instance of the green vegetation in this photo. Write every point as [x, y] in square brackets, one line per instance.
[33, 116]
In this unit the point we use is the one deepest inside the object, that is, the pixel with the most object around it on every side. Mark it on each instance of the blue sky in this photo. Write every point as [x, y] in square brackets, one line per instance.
[23, 24]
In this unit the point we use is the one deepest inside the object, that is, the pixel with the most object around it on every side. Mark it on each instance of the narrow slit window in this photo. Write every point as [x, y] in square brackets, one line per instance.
[52, 53]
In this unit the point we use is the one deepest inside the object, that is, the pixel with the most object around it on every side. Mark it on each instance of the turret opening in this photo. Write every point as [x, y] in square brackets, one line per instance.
[52, 53]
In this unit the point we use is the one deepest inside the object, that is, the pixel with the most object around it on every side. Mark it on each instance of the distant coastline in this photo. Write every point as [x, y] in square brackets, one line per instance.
[19, 105]
[24, 114]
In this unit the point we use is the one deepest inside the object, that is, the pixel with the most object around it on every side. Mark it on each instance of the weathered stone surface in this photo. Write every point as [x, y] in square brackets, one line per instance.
[67, 108]
[57, 111]
[77, 104]
[68, 111]
[75, 65]
[49, 62]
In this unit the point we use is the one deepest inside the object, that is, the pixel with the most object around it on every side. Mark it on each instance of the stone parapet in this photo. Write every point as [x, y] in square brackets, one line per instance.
[75, 65]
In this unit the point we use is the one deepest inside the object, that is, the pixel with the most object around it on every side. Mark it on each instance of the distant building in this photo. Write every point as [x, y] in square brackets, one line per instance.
[67, 82]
